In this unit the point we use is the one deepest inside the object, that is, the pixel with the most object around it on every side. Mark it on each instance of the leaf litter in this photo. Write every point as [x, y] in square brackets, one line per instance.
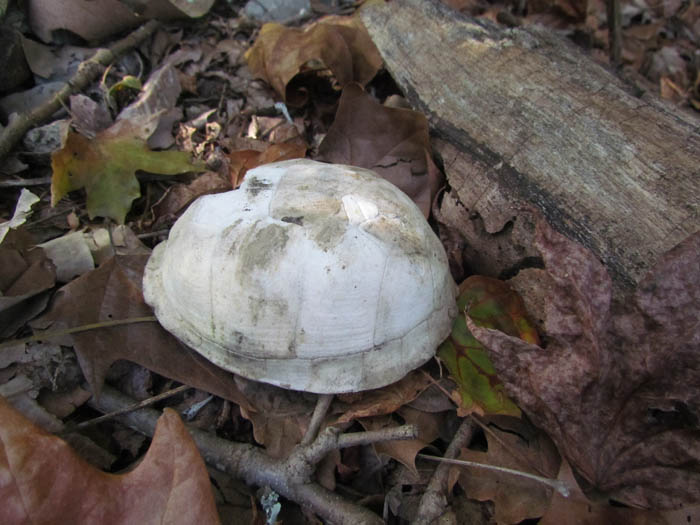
[396, 143]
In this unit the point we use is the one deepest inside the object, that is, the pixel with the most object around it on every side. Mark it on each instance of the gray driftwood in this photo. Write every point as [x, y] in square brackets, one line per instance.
[520, 117]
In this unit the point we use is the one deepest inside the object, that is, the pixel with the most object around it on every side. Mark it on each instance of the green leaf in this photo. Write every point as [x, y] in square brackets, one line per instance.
[491, 304]
[106, 167]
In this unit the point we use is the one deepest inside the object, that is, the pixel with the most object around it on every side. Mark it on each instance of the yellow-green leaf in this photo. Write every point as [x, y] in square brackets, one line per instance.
[106, 167]
[491, 304]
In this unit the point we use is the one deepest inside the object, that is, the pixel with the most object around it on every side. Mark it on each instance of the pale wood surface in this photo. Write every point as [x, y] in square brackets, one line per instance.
[521, 116]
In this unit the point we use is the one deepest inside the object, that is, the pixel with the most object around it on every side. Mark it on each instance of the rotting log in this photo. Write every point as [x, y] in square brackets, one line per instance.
[522, 117]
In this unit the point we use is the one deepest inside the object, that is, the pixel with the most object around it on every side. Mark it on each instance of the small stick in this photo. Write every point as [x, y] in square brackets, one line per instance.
[614, 32]
[76, 329]
[556, 484]
[434, 501]
[24, 182]
[322, 404]
[126, 410]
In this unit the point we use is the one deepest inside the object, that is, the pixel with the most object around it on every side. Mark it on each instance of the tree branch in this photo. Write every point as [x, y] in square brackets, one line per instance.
[289, 477]
[87, 72]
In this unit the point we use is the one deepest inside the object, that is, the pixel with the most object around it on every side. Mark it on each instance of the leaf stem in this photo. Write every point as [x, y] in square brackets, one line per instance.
[556, 484]
[76, 329]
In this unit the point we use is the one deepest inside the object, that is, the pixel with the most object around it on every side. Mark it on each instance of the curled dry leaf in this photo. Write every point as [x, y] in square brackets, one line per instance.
[393, 142]
[403, 451]
[44, 481]
[339, 44]
[616, 388]
[382, 401]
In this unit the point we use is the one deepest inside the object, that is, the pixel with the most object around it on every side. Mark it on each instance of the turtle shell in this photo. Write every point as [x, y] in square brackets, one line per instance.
[316, 277]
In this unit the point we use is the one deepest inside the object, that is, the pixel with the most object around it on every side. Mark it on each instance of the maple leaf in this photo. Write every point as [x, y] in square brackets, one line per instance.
[491, 303]
[617, 387]
[106, 167]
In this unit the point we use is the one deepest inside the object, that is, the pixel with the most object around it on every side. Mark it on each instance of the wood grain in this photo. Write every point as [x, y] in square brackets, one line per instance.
[522, 116]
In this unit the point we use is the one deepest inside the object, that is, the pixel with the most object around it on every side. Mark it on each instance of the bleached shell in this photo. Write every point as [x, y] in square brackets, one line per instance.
[311, 276]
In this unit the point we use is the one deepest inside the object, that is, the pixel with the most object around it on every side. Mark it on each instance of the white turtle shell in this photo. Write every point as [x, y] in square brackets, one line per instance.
[310, 276]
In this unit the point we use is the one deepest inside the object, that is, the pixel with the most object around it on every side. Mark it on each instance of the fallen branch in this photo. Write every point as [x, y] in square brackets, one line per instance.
[520, 116]
[88, 71]
[289, 477]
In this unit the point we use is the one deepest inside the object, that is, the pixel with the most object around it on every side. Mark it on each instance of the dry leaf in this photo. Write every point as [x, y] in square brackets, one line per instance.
[393, 142]
[280, 417]
[113, 291]
[44, 481]
[385, 400]
[516, 445]
[25, 275]
[244, 160]
[403, 451]
[339, 44]
[616, 389]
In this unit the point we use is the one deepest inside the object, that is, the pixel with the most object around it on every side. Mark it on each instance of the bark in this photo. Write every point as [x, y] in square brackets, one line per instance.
[522, 119]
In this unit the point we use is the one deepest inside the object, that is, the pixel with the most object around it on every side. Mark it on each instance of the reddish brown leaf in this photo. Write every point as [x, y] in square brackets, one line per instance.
[113, 291]
[244, 160]
[25, 273]
[44, 481]
[577, 509]
[179, 196]
[280, 417]
[393, 142]
[384, 400]
[616, 390]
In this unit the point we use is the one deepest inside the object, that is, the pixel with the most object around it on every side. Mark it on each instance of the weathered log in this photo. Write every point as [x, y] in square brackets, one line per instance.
[522, 116]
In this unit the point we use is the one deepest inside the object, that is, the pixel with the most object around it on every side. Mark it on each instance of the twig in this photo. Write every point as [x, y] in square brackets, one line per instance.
[322, 404]
[76, 329]
[434, 500]
[150, 235]
[556, 484]
[289, 477]
[24, 182]
[87, 72]
[125, 410]
[614, 15]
